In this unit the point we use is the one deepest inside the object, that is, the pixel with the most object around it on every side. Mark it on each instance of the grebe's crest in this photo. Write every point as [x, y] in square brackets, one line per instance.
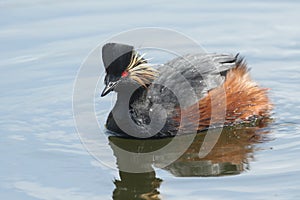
[140, 70]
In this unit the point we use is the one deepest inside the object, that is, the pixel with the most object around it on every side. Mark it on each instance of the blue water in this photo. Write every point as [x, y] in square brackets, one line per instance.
[43, 44]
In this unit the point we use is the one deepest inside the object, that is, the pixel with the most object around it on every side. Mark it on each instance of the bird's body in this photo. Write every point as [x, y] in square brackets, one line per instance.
[190, 86]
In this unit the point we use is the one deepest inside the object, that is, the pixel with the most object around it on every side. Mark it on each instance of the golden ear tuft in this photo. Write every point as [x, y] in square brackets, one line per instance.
[140, 70]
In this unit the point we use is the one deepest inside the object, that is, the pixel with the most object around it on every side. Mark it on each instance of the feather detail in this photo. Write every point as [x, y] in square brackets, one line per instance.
[140, 70]
[243, 99]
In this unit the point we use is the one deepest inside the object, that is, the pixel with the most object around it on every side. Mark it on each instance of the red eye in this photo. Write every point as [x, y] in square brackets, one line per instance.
[124, 74]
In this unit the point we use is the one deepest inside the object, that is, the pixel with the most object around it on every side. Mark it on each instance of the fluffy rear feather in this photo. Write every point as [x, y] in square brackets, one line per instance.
[244, 100]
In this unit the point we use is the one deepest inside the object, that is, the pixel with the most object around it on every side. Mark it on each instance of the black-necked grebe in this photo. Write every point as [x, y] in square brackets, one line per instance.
[217, 80]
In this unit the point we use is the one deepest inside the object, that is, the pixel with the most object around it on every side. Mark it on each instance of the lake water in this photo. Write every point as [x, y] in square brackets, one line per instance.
[43, 44]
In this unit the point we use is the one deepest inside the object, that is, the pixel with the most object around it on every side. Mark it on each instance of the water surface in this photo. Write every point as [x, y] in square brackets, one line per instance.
[43, 44]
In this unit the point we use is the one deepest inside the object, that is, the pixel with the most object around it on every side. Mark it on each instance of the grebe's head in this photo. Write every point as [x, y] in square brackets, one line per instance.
[124, 65]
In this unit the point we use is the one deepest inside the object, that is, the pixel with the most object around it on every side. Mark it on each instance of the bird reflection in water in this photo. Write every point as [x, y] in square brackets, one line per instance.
[231, 155]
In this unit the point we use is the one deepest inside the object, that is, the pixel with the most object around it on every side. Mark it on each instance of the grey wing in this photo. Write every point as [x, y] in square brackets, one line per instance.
[204, 63]
[202, 72]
